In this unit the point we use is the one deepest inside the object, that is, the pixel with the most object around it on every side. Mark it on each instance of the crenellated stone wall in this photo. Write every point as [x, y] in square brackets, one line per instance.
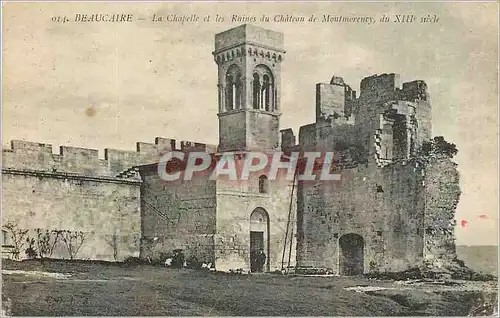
[33, 156]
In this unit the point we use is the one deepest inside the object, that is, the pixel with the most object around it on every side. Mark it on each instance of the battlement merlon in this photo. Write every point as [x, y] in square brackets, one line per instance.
[28, 146]
[250, 35]
[79, 153]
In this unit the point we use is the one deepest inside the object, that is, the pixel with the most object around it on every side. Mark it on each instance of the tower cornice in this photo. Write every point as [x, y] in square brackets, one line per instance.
[249, 43]
[250, 49]
[250, 110]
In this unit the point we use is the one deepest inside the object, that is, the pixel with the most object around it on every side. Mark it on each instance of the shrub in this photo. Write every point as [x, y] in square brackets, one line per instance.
[438, 146]
[30, 251]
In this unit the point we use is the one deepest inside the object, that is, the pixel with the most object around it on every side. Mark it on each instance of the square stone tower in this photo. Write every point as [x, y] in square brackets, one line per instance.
[249, 80]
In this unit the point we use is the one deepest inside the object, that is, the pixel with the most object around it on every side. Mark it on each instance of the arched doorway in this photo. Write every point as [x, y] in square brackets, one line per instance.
[259, 240]
[351, 260]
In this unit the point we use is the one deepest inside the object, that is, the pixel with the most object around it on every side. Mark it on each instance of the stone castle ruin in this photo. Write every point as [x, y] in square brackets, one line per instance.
[392, 209]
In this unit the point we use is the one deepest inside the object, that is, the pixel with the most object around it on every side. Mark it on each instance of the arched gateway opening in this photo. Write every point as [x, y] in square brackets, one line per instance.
[259, 240]
[351, 260]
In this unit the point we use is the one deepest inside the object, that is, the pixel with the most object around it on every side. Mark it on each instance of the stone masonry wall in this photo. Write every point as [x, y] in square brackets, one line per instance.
[379, 197]
[177, 215]
[106, 210]
[384, 206]
[383, 97]
[236, 200]
[442, 193]
[262, 131]
[232, 131]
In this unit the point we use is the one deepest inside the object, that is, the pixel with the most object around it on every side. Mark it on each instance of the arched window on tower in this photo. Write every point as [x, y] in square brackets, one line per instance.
[233, 88]
[263, 184]
[256, 91]
[263, 89]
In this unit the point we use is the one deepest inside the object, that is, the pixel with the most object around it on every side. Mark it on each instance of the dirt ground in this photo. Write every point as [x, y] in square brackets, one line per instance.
[57, 288]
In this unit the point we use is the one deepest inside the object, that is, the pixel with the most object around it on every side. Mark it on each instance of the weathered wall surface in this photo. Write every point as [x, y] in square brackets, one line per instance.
[232, 131]
[442, 193]
[381, 195]
[106, 210]
[235, 203]
[262, 131]
[177, 215]
[210, 220]
[384, 206]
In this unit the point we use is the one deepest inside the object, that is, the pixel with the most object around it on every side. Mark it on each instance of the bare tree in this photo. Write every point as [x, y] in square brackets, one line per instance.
[113, 241]
[73, 241]
[17, 235]
[46, 242]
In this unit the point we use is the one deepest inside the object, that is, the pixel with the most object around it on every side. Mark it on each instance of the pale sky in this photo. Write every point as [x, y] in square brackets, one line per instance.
[147, 80]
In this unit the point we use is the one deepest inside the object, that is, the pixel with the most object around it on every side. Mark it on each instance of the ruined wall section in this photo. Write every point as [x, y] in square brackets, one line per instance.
[335, 118]
[417, 93]
[384, 206]
[177, 215]
[334, 125]
[375, 92]
[361, 129]
[334, 100]
[442, 193]
[32, 156]
[106, 210]
[381, 195]
[392, 121]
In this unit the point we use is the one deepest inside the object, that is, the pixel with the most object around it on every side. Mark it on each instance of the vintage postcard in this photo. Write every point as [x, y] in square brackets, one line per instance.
[249, 159]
